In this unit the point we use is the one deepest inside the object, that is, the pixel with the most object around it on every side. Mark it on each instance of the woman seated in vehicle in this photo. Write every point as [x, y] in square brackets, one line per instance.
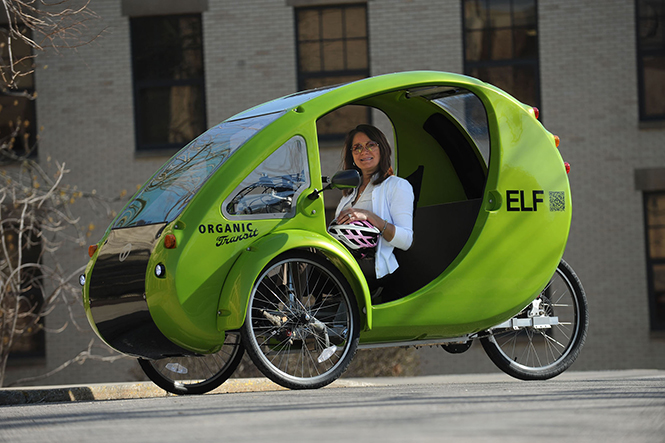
[377, 216]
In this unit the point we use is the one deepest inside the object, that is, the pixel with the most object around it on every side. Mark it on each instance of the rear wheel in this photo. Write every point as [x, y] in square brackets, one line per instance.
[302, 325]
[196, 374]
[536, 353]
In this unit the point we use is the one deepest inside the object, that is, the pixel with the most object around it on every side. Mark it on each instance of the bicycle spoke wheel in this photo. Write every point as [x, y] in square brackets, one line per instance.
[533, 353]
[196, 374]
[301, 328]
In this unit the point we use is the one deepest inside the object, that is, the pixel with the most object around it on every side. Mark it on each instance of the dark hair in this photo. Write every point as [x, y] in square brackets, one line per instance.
[385, 169]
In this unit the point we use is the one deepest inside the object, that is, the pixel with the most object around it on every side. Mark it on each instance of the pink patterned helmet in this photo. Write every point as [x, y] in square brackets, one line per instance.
[359, 234]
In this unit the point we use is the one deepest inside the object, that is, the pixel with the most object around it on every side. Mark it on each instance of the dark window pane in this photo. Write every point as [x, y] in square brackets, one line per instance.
[524, 12]
[500, 13]
[659, 292]
[355, 22]
[17, 117]
[502, 44]
[655, 218]
[356, 54]
[308, 25]
[659, 308]
[310, 56]
[475, 14]
[502, 49]
[525, 84]
[31, 342]
[657, 242]
[656, 210]
[518, 81]
[331, 24]
[167, 56]
[167, 47]
[170, 114]
[333, 56]
[477, 45]
[525, 43]
[21, 56]
[650, 26]
[654, 204]
[654, 85]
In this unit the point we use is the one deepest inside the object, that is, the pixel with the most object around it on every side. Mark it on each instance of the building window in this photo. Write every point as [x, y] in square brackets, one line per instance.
[654, 206]
[501, 46]
[169, 83]
[24, 294]
[332, 46]
[18, 127]
[651, 58]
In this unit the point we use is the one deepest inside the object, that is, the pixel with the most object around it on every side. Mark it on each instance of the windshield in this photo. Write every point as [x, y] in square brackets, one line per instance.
[168, 192]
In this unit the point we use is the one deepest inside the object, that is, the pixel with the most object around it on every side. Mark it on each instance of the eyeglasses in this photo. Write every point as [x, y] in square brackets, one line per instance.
[371, 146]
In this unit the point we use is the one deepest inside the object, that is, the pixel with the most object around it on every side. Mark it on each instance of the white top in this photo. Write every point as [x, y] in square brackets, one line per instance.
[392, 200]
[364, 202]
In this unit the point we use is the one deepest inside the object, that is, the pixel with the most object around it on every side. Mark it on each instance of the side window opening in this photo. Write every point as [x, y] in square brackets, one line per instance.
[453, 149]
[272, 189]
[330, 148]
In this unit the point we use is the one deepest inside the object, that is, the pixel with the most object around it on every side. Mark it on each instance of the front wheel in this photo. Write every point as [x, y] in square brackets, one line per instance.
[302, 327]
[537, 353]
[196, 374]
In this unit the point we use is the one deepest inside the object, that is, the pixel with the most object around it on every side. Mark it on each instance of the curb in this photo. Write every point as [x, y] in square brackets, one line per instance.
[146, 389]
[123, 391]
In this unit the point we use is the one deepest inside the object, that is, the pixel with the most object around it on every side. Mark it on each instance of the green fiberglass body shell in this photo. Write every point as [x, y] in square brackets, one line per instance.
[491, 224]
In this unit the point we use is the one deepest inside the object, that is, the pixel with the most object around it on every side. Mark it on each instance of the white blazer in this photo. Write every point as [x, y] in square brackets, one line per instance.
[392, 200]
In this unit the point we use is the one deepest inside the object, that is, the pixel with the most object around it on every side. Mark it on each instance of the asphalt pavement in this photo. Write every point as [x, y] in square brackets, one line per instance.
[123, 391]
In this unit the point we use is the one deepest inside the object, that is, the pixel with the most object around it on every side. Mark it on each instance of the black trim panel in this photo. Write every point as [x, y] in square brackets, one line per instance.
[117, 294]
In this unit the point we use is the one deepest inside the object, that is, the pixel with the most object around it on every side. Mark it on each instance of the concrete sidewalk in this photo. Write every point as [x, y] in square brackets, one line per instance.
[147, 389]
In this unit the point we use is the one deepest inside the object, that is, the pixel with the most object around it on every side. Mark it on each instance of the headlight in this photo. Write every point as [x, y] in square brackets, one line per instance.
[82, 279]
[160, 270]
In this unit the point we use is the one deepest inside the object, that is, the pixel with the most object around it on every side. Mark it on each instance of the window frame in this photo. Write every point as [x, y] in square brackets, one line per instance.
[469, 66]
[655, 323]
[301, 145]
[641, 54]
[342, 74]
[302, 77]
[34, 343]
[139, 86]
[28, 97]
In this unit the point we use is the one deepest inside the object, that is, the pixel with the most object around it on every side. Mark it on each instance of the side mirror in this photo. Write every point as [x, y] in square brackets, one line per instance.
[349, 178]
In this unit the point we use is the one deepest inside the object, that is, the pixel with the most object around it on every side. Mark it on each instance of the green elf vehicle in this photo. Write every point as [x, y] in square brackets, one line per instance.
[225, 248]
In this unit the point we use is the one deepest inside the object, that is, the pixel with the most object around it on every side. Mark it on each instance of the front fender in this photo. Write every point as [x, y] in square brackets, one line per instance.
[234, 297]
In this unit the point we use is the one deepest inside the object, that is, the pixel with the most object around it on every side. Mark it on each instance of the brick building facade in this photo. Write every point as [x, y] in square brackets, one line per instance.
[589, 89]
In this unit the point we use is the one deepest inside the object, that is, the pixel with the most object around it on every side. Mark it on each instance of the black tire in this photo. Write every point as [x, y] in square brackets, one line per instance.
[302, 324]
[196, 374]
[540, 354]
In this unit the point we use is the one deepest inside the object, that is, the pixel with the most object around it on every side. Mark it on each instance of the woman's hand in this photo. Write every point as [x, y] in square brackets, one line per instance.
[350, 215]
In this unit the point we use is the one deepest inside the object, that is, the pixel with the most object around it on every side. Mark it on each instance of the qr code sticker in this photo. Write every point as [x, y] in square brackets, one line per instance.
[557, 201]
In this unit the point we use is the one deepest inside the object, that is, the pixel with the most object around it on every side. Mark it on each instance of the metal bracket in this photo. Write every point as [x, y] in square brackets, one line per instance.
[541, 322]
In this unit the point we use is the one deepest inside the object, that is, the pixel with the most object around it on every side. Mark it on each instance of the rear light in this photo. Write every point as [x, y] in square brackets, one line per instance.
[567, 165]
[557, 140]
[536, 112]
[169, 241]
[91, 250]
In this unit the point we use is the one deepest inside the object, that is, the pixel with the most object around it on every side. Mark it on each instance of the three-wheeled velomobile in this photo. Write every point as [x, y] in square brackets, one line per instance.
[225, 248]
